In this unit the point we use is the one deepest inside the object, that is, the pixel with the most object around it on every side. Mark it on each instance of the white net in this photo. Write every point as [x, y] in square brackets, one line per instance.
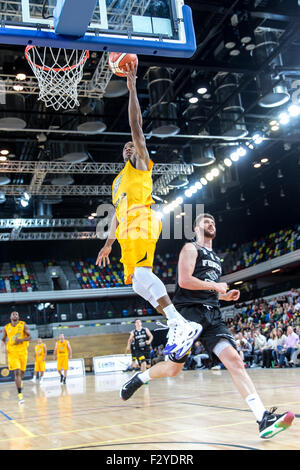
[58, 72]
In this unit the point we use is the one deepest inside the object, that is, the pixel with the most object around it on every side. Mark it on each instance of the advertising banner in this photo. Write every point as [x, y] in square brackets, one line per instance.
[114, 363]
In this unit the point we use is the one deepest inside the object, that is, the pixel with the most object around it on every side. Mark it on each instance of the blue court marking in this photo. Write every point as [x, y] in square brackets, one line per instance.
[6, 416]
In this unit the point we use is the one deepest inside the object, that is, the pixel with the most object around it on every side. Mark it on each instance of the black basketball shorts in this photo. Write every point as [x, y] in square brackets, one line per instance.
[142, 355]
[214, 328]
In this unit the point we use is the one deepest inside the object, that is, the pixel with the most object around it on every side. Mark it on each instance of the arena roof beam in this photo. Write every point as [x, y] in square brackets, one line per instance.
[88, 168]
[46, 223]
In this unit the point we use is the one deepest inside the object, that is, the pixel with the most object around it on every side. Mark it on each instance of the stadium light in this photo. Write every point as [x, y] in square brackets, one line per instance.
[188, 193]
[227, 162]
[234, 156]
[284, 118]
[258, 138]
[294, 110]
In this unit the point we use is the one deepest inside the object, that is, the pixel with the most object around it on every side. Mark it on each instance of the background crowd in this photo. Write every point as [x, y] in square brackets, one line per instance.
[267, 334]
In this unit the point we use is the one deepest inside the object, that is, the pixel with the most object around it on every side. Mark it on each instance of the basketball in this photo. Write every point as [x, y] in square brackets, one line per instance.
[117, 62]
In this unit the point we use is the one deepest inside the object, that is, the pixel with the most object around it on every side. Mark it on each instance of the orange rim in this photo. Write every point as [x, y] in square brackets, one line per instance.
[58, 69]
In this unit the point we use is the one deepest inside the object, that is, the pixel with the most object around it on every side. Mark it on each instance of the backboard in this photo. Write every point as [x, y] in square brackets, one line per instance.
[162, 27]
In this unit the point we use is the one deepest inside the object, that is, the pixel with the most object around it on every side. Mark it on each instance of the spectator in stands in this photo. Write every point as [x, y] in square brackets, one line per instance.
[259, 343]
[279, 342]
[197, 355]
[267, 353]
[289, 347]
[159, 355]
[297, 305]
[238, 339]
[247, 349]
[292, 295]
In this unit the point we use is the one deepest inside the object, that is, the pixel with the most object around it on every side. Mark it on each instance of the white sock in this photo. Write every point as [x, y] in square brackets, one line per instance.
[255, 403]
[172, 314]
[144, 376]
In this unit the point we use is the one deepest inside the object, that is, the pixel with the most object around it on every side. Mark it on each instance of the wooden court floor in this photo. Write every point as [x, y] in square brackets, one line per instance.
[198, 410]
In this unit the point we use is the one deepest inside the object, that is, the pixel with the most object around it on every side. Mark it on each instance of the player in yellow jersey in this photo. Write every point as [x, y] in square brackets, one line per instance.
[137, 229]
[62, 353]
[18, 336]
[40, 353]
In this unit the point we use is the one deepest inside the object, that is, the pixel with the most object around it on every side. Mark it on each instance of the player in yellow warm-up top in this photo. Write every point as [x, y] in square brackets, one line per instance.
[40, 352]
[62, 353]
[18, 336]
[137, 229]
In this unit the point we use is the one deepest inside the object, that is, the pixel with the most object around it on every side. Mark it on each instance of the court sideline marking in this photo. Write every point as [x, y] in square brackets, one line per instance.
[112, 441]
[18, 425]
[98, 428]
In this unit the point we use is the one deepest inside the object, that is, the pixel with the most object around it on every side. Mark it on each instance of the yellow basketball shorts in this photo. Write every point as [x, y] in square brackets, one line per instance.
[40, 366]
[17, 361]
[137, 238]
[62, 363]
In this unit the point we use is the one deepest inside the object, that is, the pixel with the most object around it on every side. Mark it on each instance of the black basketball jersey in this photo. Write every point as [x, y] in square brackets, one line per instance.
[140, 338]
[207, 268]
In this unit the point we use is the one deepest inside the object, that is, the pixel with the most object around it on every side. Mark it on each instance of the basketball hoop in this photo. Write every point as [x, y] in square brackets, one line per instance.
[58, 72]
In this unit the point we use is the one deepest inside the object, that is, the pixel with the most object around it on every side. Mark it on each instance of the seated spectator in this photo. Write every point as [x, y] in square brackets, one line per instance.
[267, 352]
[158, 355]
[279, 343]
[247, 350]
[292, 295]
[259, 342]
[297, 305]
[195, 358]
[244, 348]
[289, 347]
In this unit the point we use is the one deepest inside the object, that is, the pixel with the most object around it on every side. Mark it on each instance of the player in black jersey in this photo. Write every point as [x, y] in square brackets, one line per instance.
[197, 295]
[142, 338]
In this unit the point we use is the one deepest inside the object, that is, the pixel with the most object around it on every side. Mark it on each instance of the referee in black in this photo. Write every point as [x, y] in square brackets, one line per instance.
[197, 295]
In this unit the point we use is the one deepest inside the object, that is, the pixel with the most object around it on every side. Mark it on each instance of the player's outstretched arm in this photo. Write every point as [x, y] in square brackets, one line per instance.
[135, 116]
[103, 256]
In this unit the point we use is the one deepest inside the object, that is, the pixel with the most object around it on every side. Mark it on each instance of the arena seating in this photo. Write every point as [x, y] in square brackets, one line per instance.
[165, 267]
[18, 278]
[263, 249]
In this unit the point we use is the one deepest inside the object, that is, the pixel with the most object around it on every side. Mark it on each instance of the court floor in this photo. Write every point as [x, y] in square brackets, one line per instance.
[198, 410]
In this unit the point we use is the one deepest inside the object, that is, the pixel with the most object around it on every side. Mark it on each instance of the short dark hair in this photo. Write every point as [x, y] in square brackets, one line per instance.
[200, 217]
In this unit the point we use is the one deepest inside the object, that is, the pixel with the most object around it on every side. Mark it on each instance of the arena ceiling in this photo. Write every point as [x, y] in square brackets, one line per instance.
[252, 200]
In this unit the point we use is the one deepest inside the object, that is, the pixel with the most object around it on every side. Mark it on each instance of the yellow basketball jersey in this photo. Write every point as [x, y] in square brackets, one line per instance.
[14, 332]
[62, 348]
[131, 190]
[40, 351]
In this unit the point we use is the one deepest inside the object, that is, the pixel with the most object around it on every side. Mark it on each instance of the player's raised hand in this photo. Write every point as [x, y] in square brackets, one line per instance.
[103, 257]
[131, 75]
